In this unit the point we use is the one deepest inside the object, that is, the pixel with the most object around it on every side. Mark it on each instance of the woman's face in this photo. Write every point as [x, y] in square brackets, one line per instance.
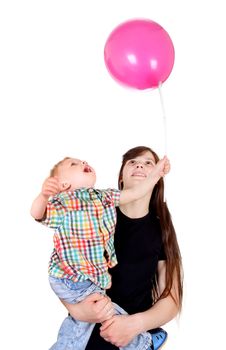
[137, 169]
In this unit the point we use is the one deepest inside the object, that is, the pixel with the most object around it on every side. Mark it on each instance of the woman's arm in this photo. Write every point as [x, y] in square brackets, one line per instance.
[164, 310]
[120, 330]
[96, 308]
[147, 184]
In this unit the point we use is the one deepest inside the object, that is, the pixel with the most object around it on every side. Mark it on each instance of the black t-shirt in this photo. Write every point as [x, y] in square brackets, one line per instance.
[139, 247]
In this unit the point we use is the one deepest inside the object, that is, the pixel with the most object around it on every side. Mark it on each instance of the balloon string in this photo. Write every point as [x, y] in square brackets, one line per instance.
[164, 117]
[164, 127]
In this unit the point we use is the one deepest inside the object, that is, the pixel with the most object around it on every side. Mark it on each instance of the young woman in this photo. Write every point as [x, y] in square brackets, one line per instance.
[147, 282]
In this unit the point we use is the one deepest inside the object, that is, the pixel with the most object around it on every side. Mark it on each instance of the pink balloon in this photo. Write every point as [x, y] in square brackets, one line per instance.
[139, 53]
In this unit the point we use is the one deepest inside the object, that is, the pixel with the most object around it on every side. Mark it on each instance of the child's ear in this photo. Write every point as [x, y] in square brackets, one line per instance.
[64, 186]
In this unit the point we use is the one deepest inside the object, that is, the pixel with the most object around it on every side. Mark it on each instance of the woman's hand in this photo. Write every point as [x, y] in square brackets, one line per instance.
[96, 308]
[120, 329]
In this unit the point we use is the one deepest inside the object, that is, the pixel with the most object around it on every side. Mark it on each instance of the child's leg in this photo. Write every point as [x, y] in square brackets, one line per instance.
[141, 342]
[73, 334]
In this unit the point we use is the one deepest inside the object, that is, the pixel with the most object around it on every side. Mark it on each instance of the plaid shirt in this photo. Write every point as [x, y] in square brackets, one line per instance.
[84, 222]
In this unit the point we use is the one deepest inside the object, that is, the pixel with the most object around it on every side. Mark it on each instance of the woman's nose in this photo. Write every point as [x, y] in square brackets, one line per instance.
[84, 162]
[139, 165]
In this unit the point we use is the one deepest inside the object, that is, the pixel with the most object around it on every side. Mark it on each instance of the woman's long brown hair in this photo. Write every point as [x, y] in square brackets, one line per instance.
[171, 247]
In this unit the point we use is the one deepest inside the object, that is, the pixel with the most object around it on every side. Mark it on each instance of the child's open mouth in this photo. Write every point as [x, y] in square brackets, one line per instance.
[87, 169]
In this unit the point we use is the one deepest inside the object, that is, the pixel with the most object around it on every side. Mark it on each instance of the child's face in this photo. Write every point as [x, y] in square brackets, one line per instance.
[75, 173]
[137, 169]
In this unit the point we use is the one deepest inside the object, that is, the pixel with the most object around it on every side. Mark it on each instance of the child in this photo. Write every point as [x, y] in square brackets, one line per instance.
[84, 219]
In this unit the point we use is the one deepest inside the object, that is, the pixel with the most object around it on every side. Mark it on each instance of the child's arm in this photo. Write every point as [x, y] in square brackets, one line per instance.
[50, 187]
[147, 185]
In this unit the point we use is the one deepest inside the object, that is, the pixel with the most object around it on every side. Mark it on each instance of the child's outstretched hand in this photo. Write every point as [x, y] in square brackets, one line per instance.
[50, 187]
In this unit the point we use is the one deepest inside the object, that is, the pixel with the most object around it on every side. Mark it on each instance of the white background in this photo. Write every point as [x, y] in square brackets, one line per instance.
[57, 99]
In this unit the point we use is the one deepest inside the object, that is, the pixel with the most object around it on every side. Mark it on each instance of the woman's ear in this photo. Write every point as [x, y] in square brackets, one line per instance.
[120, 184]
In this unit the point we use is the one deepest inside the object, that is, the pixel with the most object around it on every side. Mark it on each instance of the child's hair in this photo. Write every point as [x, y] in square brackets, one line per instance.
[54, 170]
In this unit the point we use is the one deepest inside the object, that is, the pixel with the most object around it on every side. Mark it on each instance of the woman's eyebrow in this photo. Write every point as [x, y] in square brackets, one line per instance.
[148, 158]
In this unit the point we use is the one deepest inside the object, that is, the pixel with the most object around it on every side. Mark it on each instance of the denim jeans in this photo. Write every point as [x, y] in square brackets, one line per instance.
[74, 334]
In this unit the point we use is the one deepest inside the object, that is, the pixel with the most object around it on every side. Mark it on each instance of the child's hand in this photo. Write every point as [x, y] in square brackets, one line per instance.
[50, 187]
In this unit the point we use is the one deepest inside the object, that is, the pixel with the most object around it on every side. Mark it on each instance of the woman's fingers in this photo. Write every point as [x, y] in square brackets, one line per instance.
[109, 309]
[104, 309]
[95, 297]
[105, 325]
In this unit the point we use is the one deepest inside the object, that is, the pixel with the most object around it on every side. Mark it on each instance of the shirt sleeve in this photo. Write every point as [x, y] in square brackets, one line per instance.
[162, 254]
[55, 213]
[115, 196]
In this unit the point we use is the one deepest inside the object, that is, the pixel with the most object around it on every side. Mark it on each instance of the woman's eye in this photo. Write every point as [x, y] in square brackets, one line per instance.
[132, 161]
[74, 164]
[149, 162]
